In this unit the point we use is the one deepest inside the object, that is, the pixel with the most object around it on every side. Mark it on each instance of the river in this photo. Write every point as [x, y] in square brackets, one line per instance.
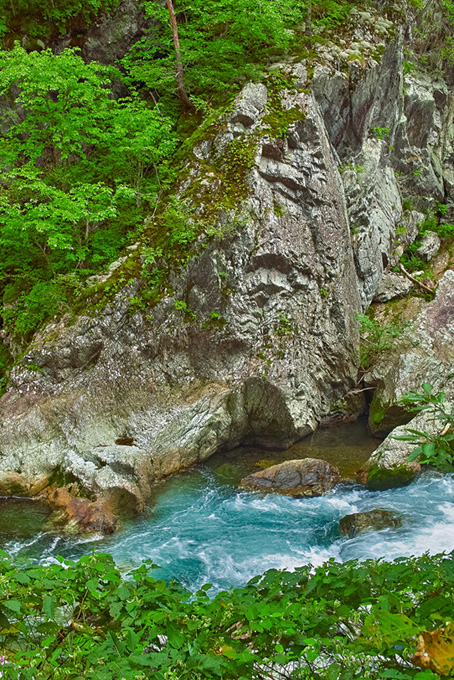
[202, 528]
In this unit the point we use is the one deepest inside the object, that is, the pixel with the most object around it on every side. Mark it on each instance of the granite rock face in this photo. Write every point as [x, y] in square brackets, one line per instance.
[308, 477]
[282, 284]
[109, 36]
[254, 340]
[426, 355]
[430, 245]
[392, 286]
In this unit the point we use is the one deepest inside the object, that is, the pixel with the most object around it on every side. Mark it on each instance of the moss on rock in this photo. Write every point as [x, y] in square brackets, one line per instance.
[383, 418]
[381, 478]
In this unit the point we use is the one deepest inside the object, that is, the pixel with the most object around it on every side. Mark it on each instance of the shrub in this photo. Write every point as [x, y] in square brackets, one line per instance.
[434, 450]
[336, 622]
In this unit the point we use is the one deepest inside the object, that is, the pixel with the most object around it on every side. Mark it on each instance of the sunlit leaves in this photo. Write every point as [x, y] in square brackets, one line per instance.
[436, 650]
[78, 165]
[336, 622]
[223, 44]
[432, 448]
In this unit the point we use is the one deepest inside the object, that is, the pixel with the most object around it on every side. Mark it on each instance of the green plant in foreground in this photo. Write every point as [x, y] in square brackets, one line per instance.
[283, 326]
[432, 449]
[350, 621]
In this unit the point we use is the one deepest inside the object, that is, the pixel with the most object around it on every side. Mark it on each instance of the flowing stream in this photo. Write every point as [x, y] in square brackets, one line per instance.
[202, 528]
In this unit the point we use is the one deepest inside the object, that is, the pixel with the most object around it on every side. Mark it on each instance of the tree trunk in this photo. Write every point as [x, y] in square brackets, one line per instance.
[180, 82]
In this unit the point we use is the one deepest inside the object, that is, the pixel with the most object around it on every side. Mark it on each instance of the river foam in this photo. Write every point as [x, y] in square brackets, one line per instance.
[202, 528]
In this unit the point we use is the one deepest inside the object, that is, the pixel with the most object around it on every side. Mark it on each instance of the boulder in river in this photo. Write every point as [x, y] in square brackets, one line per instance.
[81, 515]
[303, 477]
[373, 520]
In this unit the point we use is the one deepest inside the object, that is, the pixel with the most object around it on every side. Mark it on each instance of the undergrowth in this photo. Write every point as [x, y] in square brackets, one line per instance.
[348, 621]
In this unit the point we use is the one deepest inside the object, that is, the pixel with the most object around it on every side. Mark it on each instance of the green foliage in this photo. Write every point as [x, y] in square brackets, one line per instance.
[335, 622]
[448, 6]
[224, 43]
[408, 66]
[5, 363]
[38, 18]
[331, 14]
[432, 449]
[30, 310]
[179, 222]
[79, 168]
[380, 132]
[432, 223]
[182, 306]
[358, 169]
[411, 261]
[283, 326]
[376, 338]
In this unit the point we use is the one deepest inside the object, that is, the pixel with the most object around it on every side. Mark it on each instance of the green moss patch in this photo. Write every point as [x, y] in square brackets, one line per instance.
[380, 478]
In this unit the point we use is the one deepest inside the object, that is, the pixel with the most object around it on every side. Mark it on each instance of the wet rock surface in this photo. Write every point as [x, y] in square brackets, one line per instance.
[373, 520]
[298, 478]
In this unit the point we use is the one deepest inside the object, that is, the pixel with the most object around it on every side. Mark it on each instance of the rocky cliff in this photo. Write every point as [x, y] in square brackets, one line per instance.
[253, 339]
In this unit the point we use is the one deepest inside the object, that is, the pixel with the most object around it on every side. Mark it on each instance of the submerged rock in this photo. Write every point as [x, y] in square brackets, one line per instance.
[380, 478]
[306, 477]
[373, 520]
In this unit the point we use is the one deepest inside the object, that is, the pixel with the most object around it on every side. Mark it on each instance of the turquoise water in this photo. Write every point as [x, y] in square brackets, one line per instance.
[203, 529]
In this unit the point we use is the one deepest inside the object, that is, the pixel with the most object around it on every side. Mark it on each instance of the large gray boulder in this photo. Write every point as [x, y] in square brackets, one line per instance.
[308, 477]
[254, 341]
[388, 466]
[430, 245]
[250, 104]
[425, 355]
[392, 286]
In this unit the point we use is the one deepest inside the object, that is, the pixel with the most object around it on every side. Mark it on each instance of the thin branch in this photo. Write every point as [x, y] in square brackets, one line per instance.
[374, 387]
[415, 281]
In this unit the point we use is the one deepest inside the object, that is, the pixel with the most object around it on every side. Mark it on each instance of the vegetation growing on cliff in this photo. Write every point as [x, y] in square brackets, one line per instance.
[436, 449]
[87, 150]
[80, 168]
[340, 622]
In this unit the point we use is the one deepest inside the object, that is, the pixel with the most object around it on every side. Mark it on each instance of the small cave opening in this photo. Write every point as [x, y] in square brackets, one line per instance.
[124, 440]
